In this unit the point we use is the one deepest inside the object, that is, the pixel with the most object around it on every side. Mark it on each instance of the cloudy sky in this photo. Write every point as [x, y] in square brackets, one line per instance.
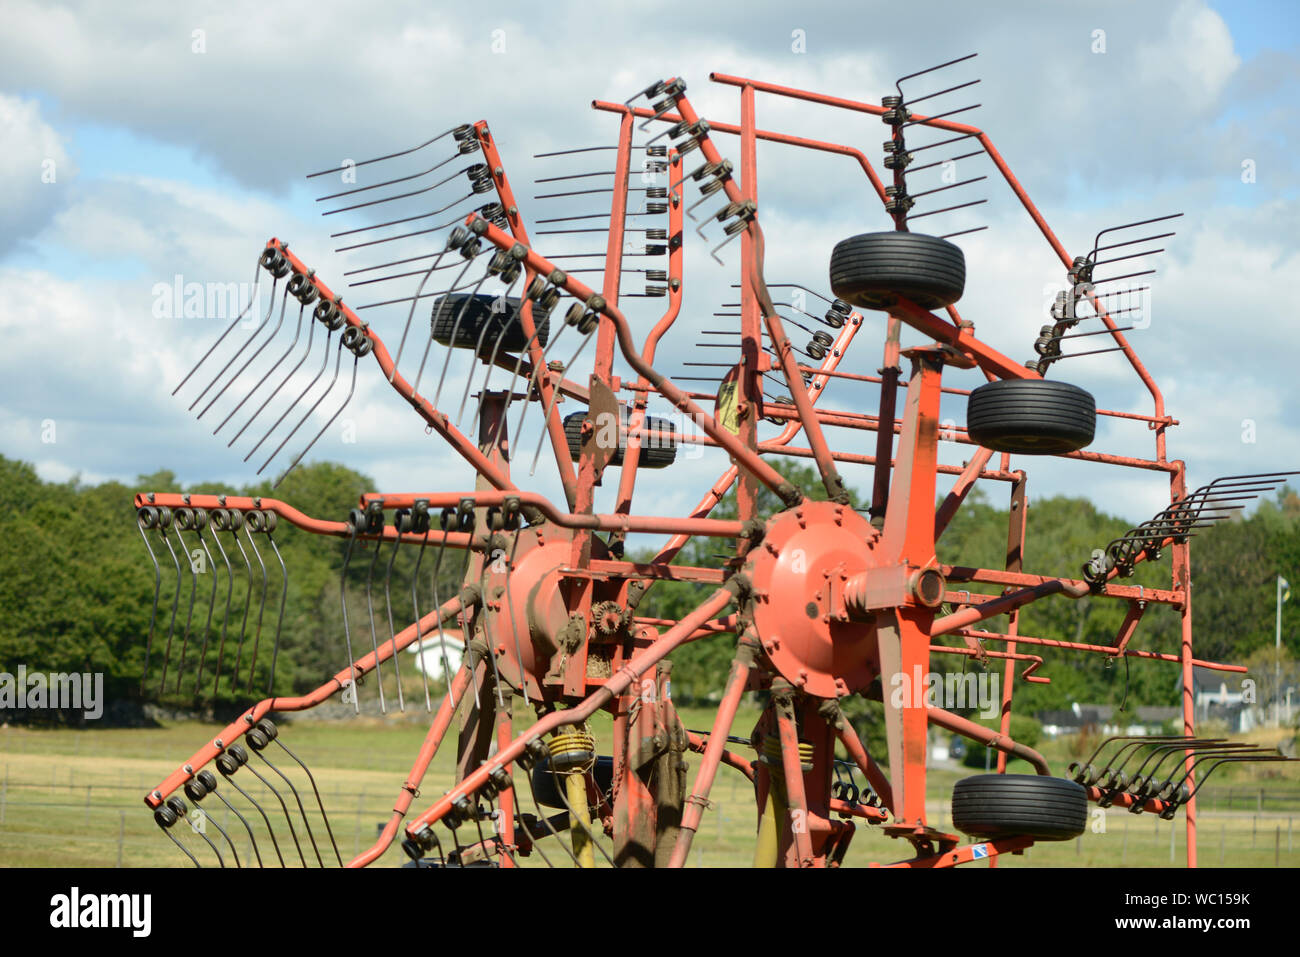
[150, 144]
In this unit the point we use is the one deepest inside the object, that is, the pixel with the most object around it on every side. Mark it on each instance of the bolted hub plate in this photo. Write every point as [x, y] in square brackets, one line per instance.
[526, 616]
[798, 574]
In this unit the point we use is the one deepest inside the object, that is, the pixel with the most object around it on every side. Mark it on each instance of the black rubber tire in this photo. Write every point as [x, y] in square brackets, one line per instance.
[874, 269]
[546, 789]
[477, 317]
[1031, 416]
[1005, 805]
[655, 456]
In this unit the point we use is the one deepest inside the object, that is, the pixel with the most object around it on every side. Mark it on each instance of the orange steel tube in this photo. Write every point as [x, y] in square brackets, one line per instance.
[441, 721]
[362, 666]
[994, 739]
[290, 514]
[713, 751]
[719, 528]
[796, 794]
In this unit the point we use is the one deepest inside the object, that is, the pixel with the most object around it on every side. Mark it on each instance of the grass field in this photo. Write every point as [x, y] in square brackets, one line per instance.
[73, 798]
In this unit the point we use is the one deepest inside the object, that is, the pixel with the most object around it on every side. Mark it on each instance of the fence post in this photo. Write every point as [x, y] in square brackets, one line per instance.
[121, 834]
[1277, 845]
[4, 794]
[1254, 829]
[1173, 832]
[88, 787]
[1288, 835]
[1222, 829]
[1123, 850]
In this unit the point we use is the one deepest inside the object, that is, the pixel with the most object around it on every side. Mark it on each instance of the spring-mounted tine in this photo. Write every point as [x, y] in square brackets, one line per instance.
[374, 635]
[593, 320]
[1228, 760]
[1153, 787]
[415, 301]
[201, 520]
[362, 345]
[311, 335]
[1096, 247]
[474, 252]
[338, 362]
[166, 827]
[236, 523]
[417, 521]
[250, 520]
[293, 833]
[392, 239]
[1159, 747]
[437, 603]
[284, 303]
[557, 179]
[388, 156]
[257, 278]
[209, 781]
[179, 808]
[465, 144]
[1082, 770]
[258, 740]
[478, 350]
[354, 521]
[220, 520]
[147, 518]
[269, 522]
[256, 332]
[266, 724]
[228, 763]
[1109, 775]
[475, 171]
[388, 581]
[196, 789]
[455, 331]
[556, 277]
[325, 360]
[297, 334]
[189, 617]
[1141, 782]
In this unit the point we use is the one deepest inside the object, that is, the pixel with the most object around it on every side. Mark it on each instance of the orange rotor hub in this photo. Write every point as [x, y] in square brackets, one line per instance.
[799, 573]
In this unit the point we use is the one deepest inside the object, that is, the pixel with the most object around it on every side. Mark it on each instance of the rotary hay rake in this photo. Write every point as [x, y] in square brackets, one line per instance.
[821, 600]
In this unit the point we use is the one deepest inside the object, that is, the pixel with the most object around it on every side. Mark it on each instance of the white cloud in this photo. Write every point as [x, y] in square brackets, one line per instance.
[35, 171]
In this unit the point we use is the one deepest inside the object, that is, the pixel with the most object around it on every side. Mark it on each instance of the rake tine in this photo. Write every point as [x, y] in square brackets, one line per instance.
[257, 278]
[284, 595]
[428, 342]
[287, 816]
[391, 182]
[297, 333]
[455, 331]
[196, 790]
[395, 222]
[930, 69]
[311, 335]
[338, 360]
[478, 347]
[143, 522]
[249, 798]
[172, 838]
[201, 520]
[252, 839]
[514, 377]
[237, 522]
[411, 314]
[420, 515]
[325, 361]
[194, 585]
[388, 156]
[207, 840]
[240, 351]
[388, 597]
[319, 803]
[374, 637]
[343, 600]
[356, 361]
[1141, 222]
[425, 295]
[297, 800]
[389, 199]
[261, 608]
[284, 304]
[220, 520]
